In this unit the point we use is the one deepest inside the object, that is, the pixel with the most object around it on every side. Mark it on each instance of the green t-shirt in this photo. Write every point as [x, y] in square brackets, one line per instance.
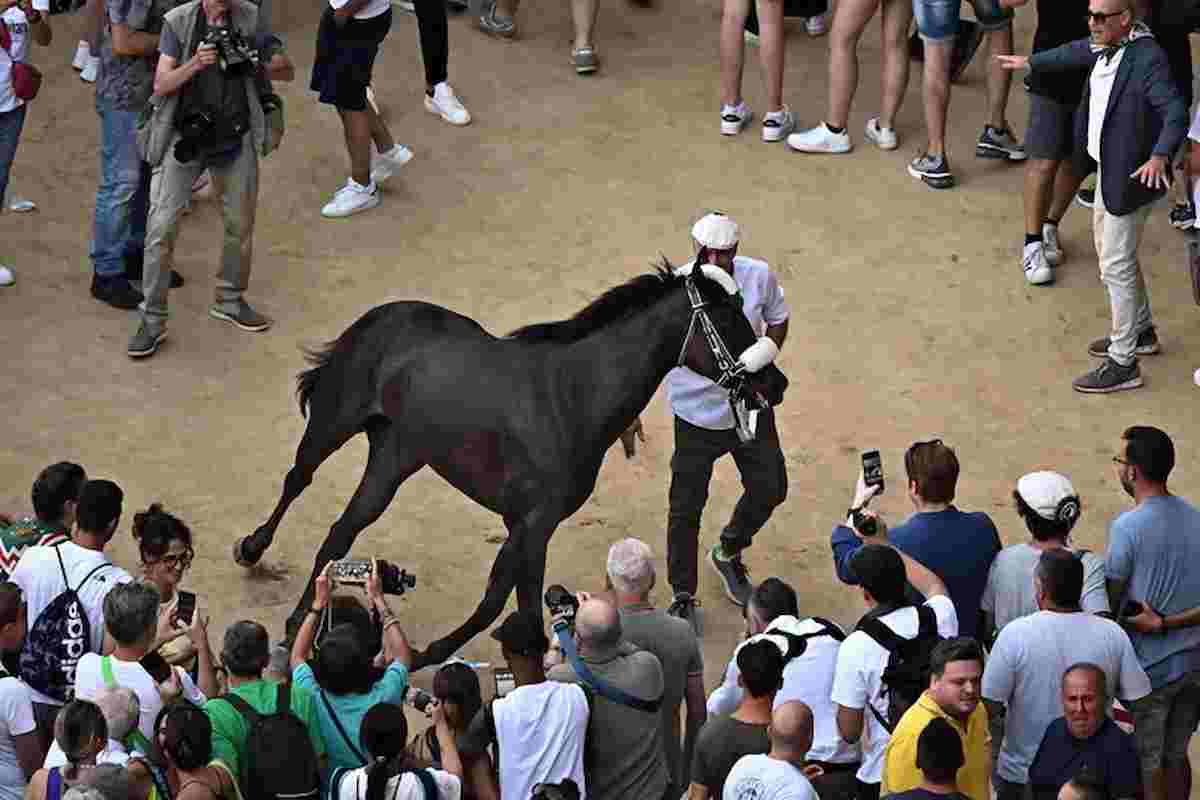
[24, 533]
[230, 729]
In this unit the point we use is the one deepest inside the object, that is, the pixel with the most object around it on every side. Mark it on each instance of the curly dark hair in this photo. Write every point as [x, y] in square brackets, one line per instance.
[155, 529]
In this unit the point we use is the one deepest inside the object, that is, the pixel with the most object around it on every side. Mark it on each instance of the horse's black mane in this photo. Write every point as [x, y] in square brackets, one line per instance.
[616, 304]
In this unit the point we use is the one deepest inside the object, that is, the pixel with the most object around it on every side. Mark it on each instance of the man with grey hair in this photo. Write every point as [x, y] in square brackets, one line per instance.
[624, 744]
[131, 623]
[121, 709]
[631, 577]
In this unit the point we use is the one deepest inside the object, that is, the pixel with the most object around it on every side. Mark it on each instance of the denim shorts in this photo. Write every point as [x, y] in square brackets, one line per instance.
[937, 20]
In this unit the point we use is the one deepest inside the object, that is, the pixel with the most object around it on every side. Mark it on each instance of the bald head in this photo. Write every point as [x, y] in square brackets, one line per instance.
[598, 625]
[791, 730]
[120, 708]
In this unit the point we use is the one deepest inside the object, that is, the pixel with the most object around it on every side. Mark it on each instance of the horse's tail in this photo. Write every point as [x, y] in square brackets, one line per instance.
[306, 381]
[334, 357]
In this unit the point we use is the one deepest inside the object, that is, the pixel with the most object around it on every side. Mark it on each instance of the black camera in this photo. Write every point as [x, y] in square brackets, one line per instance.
[357, 570]
[562, 605]
[234, 54]
[195, 130]
[419, 698]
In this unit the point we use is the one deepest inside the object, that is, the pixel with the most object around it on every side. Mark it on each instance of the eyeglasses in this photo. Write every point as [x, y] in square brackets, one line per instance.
[180, 561]
[1101, 17]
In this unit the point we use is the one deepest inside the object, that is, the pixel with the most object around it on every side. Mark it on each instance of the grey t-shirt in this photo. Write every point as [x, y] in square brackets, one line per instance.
[126, 82]
[1009, 591]
[721, 743]
[674, 642]
[624, 745]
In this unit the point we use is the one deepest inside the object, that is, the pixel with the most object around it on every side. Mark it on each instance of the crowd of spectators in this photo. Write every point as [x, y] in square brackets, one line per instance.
[1046, 694]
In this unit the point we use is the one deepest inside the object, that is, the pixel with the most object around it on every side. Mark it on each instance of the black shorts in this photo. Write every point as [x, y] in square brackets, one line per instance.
[1050, 134]
[341, 69]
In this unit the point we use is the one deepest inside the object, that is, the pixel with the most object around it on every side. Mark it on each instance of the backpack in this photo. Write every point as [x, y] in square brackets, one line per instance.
[59, 637]
[906, 675]
[278, 761]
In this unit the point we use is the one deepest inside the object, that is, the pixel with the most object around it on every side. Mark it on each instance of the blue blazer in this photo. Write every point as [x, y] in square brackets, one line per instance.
[1146, 116]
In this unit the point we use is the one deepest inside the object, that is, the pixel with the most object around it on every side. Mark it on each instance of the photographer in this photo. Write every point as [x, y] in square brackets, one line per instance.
[625, 753]
[213, 111]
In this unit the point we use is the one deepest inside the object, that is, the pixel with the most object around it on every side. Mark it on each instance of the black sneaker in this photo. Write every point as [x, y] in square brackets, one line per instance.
[933, 171]
[116, 292]
[683, 606]
[1147, 344]
[735, 578]
[1086, 197]
[1109, 377]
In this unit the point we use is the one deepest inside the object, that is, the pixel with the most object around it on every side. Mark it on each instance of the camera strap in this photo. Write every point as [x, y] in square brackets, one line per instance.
[567, 642]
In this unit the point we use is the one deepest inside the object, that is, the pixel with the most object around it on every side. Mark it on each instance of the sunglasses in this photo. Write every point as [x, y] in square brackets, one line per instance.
[1101, 17]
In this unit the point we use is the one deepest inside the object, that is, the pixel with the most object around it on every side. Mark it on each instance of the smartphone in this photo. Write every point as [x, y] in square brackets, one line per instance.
[157, 666]
[872, 466]
[185, 608]
[351, 570]
[505, 682]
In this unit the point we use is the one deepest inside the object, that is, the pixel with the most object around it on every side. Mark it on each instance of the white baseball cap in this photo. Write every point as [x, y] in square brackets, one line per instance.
[1044, 491]
[716, 231]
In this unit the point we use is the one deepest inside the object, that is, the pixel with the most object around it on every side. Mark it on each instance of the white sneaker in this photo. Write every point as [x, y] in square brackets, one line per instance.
[820, 140]
[777, 125]
[82, 53]
[816, 26]
[750, 38]
[351, 199]
[7, 278]
[1052, 247]
[91, 69]
[446, 105]
[385, 165]
[1037, 271]
[21, 205]
[885, 138]
[734, 118]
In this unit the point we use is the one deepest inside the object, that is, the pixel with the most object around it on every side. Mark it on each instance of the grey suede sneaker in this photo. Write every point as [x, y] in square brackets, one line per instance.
[145, 341]
[244, 317]
[999, 143]
[494, 25]
[1147, 344]
[735, 578]
[1109, 377]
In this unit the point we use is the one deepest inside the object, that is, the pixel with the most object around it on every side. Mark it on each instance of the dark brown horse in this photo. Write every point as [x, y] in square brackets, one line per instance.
[519, 424]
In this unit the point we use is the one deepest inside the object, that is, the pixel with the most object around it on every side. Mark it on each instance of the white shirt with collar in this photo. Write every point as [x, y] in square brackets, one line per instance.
[1104, 73]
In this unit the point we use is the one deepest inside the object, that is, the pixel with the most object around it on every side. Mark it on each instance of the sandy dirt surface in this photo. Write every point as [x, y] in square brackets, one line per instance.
[910, 314]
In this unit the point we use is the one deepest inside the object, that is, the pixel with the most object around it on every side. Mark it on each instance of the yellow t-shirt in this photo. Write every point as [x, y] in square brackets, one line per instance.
[900, 771]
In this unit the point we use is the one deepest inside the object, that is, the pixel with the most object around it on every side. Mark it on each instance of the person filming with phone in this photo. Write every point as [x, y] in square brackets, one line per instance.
[957, 546]
[342, 675]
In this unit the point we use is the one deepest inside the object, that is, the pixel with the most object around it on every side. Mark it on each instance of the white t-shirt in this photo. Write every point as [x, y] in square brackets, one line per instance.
[859, 677]
[696, 399]
[41, 581]
[807, 678]
[1009, 591]
[89, 680]
[18, 30]
[760, 777]
[373, 8]
[406, 786]
[540, 729]
[1025, 669]
[113, 753]
[16, 719]
[1101, 83]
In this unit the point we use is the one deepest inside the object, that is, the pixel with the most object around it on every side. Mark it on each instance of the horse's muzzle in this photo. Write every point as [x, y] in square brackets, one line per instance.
[766, 387]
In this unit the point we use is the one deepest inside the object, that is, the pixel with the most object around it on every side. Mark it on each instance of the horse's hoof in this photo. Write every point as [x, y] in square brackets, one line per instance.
[239, 555]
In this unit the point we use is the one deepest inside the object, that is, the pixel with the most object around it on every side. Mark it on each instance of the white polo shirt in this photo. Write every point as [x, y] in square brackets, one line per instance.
[696, 399]
[1101, 83]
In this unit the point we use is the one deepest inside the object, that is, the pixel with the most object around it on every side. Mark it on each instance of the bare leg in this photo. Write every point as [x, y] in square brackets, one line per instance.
[999, 80]
[936, 93]
[770, 50]
[93, 22]
[896, 16]
[583, 14]
[733, 20]
[379, 131]
[1066, 184]
[1040, 177]
[850, 19]
[357, 126]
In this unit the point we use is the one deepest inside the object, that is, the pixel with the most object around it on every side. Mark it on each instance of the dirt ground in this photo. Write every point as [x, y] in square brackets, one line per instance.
[910, 315]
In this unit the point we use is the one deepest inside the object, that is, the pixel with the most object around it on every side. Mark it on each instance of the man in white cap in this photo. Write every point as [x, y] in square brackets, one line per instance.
[1050, 507]
[705, 431]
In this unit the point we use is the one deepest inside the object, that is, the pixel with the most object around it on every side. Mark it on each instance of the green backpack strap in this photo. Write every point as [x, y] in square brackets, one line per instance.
[135, 739]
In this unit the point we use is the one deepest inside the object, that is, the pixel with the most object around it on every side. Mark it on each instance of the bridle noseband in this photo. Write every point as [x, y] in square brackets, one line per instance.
[733, 372]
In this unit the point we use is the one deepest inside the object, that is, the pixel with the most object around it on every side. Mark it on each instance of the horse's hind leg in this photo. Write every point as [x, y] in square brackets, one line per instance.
[315, 446]
[389, 464]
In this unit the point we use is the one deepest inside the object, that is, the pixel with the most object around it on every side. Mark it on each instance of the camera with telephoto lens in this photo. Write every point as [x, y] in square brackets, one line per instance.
[419, 699]
[562, 604]
[234, 54]
[195, 130]
[357, 570]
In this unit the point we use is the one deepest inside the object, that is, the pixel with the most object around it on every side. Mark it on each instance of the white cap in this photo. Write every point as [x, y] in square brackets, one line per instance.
[1044, 491]
[716, 231]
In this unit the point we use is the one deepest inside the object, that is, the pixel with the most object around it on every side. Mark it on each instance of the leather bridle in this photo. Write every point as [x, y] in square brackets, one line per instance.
[733, 372]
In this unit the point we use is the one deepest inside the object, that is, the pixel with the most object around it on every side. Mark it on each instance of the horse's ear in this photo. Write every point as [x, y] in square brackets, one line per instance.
[719, 277]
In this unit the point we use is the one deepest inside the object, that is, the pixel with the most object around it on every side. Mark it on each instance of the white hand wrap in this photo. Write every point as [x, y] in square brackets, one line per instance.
[759, 354]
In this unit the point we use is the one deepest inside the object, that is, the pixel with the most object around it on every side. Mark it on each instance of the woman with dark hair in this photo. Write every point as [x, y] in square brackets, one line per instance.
[183, 733]
[391, 773]
[82, 733]
[343, 677]
[456, 689]
[165, 547]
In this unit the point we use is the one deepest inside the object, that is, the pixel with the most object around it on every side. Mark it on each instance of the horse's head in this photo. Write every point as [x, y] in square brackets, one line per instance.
[753, 360]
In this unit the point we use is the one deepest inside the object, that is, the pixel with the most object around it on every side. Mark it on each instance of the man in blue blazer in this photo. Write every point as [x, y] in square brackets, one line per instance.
[1129, 135]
